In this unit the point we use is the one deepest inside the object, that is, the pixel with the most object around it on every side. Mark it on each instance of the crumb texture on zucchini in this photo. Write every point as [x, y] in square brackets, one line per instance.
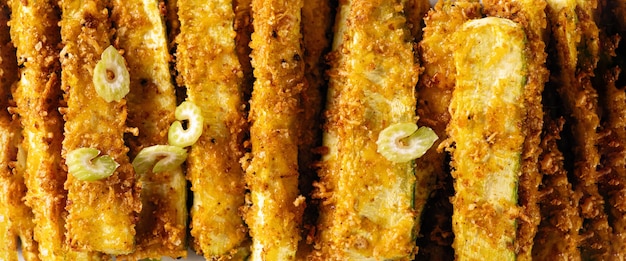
[102, 214]
[209, 68]
[486, 156]
[368, 209]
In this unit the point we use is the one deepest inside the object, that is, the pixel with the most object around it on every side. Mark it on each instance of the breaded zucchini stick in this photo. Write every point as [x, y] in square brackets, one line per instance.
[367, 210]
[243, 27]
[557, 236]
[416, 12]
[209, 68]
[35, 33]
[575, 36]
[16, 218]
[530, 14]
[491, 77]
[612, 101]
[613, 152]
[102, 213]
[275, 215]
[161, 228]
[434, 90]
[317, 21]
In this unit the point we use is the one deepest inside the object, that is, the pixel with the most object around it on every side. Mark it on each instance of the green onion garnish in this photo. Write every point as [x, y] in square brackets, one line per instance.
[84, 164]
[159, 158]
[180, 137]
[402, 142]
[110, 77]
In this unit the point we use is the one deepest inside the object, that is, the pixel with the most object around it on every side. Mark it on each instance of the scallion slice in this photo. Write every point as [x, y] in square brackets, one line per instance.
[110, 77]
[85, 164]
[402, 142]
[180, 137]
[160, 158]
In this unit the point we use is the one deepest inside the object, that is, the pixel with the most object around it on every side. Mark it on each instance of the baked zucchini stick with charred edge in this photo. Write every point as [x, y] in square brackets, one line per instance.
[243, 27]
[275, 215]
[8, 131]
[415, 11]
[317, 21]
[575, 36]
[102, 213]
[531, 16]
[213, 78]
[367, 209]
[35, 33]
[491, 78]
[557, 236]
[161, 228]
[434, 90]
[425, 175]
[17, 217]
[612, 100]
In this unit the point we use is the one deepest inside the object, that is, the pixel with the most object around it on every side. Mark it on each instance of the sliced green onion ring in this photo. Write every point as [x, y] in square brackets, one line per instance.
[110, 77]
[180, 137]
[159, 158]
[85, 164]
[402, 142]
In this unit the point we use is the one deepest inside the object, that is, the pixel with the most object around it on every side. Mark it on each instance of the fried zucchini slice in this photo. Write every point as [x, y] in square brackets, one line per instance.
[576, 39]
[491, 75]
[275, 214]
[609, 82]
[103, 213]
[434, 89]
[16, 218]
[368, 210]
[531, 16]
[558, 235]
[35, 33]
[213, 78]
[317, 21]
[141, 33]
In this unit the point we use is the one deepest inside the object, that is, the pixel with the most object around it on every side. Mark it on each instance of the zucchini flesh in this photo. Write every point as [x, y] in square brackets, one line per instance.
[486, 126]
